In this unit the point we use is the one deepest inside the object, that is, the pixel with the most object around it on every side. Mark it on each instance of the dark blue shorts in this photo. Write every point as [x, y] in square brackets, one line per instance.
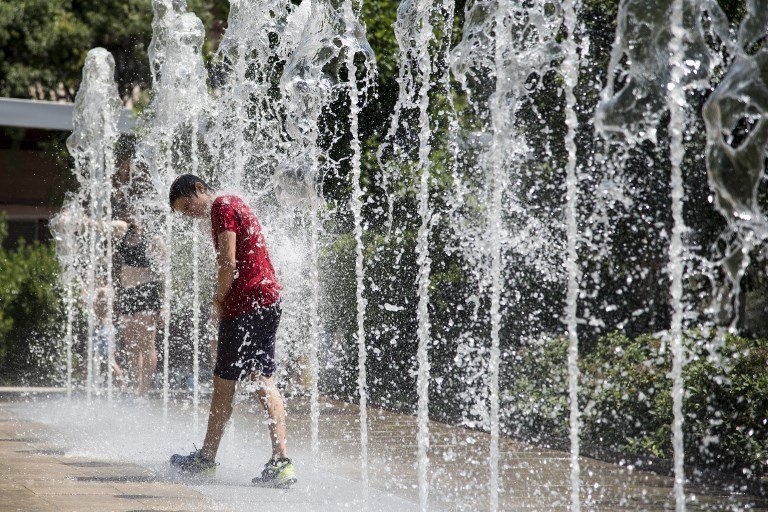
[247, 344]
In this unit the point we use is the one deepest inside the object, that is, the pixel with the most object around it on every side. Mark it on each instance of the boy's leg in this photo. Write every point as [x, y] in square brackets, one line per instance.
[221, 410]
[272, 401]
[213, 350]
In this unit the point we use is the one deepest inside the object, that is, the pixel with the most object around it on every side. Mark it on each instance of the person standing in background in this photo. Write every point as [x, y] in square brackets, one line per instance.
[139, 303]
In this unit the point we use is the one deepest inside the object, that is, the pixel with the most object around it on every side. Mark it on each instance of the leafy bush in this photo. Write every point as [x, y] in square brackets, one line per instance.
[625, 396]
[535, 395]
[30, 314]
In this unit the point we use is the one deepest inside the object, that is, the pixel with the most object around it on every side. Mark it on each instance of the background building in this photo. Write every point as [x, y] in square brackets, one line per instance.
[34, 165]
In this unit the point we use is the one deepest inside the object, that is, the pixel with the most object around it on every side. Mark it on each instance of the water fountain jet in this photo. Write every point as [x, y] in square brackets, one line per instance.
[95, 117]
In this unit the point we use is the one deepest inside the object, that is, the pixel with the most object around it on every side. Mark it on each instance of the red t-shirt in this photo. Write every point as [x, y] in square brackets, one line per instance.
[255, 283]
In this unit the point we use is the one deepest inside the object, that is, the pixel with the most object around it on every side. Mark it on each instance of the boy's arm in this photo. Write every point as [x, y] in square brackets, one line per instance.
[227, 266]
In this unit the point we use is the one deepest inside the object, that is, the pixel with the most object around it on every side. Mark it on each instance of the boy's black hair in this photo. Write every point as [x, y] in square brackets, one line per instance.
[185, 185]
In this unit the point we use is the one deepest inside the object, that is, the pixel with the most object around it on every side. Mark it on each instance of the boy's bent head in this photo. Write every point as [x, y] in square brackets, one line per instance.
[190, 196]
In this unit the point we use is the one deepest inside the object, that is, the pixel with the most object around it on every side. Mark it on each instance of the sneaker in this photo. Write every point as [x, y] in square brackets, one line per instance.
[277, 473]
[194, 464]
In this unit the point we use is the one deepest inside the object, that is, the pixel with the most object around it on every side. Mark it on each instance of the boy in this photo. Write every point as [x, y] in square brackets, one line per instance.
[247, 303]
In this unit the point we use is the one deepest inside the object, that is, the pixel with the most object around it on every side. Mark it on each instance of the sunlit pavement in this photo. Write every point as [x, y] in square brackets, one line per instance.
[62, 455]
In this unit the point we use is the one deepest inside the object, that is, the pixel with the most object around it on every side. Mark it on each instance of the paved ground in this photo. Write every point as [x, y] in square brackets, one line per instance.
[36, 475]
[60, 455]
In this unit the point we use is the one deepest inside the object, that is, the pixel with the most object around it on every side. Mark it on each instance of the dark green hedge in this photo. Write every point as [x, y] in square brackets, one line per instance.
[31, 318]
[627, 403]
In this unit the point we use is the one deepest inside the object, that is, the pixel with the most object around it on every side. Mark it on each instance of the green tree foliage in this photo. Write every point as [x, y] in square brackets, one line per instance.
[31, 319]
[43, 43]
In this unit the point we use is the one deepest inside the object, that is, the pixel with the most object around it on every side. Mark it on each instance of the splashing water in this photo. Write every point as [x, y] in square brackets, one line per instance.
[634, 97]
[69, 246]
[95, 117]
[737, 142]
[246, 116]
[512, 62]
[266, 137]
[179, 98]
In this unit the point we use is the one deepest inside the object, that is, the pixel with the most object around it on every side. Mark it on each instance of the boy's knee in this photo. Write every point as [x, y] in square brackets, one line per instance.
[264, 384]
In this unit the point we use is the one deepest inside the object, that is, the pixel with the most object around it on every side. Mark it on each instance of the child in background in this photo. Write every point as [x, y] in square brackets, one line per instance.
[102, 335]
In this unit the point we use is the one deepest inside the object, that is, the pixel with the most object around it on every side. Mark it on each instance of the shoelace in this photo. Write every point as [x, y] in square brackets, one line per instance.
[271, 469]
[196, 455]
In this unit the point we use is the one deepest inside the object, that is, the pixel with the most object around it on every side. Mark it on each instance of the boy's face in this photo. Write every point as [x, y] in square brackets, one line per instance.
[196, 206]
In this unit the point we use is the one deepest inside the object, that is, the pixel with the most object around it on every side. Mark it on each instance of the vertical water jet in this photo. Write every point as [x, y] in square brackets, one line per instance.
[355, 36]
[69, 244]
[356, 204]
[505, 50]
[315, 327]
[676, 103]
[496, 177]
[415, 41]
[91, 144]
[331, 34]
[171, 137]
[195, 319]
[570, 70]
[655, 81]
[307, 91]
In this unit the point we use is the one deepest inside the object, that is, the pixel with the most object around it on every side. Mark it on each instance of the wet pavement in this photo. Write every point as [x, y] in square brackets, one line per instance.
[60, 455]
[36, 475]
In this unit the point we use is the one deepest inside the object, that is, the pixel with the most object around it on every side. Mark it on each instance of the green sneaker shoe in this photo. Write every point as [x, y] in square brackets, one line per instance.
[194, 464]
[277, 473]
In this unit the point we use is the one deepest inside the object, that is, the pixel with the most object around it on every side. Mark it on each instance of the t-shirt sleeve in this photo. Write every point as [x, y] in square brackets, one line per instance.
[223, 217]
